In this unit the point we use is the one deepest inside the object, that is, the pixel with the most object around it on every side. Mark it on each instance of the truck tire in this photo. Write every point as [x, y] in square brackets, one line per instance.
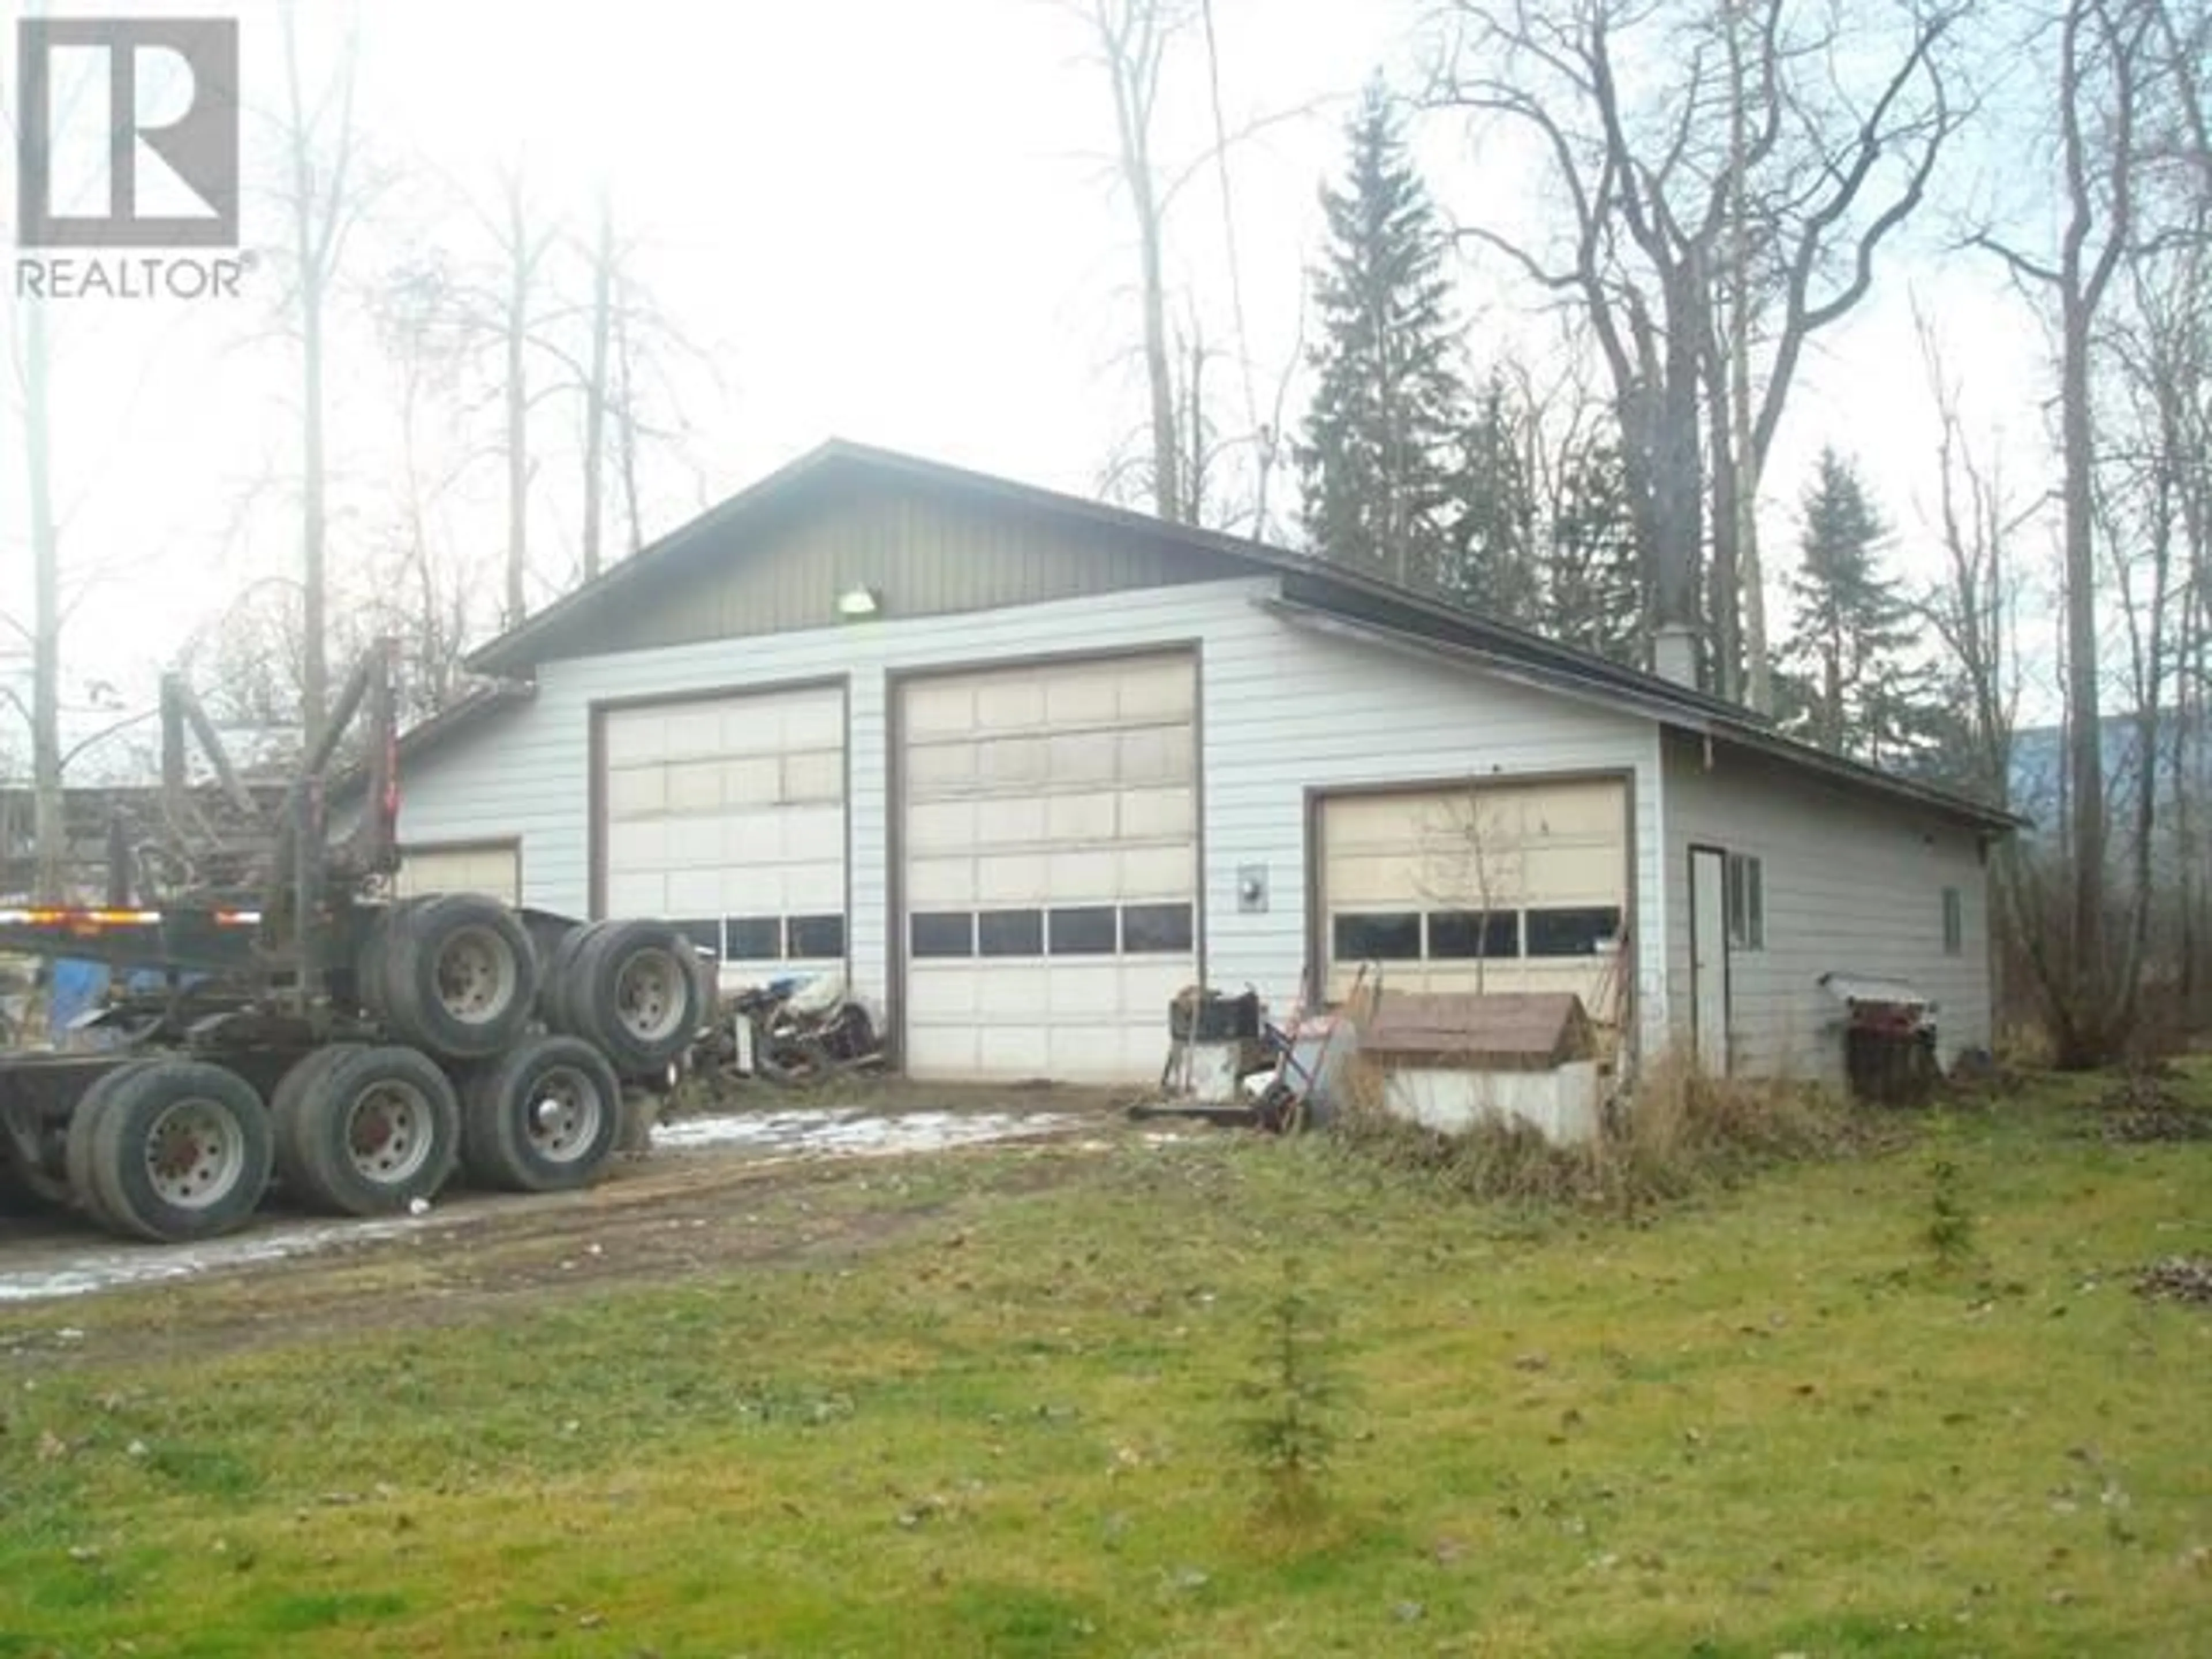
[300, 1080]
[542, 1118]
[369, 969]
[459, 976]
[634, 990]
[553, 1003]
[364, 1131]
[177, 1150]
[78, 1158]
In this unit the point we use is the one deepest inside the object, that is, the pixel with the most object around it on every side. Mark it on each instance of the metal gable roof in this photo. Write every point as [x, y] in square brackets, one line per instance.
[563, 628]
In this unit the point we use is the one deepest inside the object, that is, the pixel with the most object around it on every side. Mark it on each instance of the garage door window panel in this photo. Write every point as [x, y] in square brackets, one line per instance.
[1378, 936]
[940, 935]
[812, 938]
[754, 939]
[1474, 936]
[1009, 933]
[1151, 928]
[1083, 930]
[705, 934]
[1583, 931]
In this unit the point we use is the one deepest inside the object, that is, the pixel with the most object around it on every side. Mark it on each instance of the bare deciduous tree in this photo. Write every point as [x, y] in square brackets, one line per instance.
[321, 195]
[2128, 109]
[1766, 150]
[1131, 38]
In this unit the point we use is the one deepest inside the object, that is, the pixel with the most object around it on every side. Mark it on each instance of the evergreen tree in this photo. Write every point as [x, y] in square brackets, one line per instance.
[1593, 581]
[1846, 684]
[1490, 560]
[1389, 406]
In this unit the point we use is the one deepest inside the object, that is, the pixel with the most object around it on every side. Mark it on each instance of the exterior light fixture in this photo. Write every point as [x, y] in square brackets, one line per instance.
[858, 604]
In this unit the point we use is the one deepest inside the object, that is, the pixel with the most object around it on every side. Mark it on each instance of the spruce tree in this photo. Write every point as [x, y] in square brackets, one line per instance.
[1491, 557]
[1389, 406]
[1846, 684]
[1593, 577]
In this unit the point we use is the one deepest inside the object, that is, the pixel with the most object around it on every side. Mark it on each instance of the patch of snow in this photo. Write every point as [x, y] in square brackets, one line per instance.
[854, 1132]
[109, 1268]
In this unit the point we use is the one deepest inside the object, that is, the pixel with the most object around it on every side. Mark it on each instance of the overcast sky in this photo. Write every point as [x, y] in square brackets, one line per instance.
[887, 220]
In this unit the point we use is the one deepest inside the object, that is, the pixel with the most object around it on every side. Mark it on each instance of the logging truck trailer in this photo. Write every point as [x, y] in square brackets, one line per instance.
[354, 1051]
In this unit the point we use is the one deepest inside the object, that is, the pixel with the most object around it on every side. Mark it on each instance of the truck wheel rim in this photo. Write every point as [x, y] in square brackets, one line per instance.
[195, 1154]
[476, 976]
[389, 1132]
[651, 995]
[564, 1115]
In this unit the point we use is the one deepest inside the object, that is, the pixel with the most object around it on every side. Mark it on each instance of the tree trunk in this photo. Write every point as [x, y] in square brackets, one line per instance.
[1159, 368]
[49, 830]
[1677, 470]
[595, 393]
[2085, 767]
[1721, 587]
[314, 672]
[626, 432]
[518, 409]
[312, 243]
[1748, 588]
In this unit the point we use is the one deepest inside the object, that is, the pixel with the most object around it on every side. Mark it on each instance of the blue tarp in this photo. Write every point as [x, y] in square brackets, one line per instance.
[72, 988]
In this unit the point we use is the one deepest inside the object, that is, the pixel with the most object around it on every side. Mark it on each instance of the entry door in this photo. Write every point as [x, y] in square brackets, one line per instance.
[1708, 968]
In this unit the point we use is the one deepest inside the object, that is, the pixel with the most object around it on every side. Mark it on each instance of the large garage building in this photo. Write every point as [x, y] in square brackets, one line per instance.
[1023, 766]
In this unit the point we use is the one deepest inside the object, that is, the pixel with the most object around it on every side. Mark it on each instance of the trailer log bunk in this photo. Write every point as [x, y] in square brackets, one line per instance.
[354, 1050]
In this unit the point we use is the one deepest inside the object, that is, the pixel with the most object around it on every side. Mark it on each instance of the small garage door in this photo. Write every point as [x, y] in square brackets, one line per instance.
[478, 867]
[727, 816]
[1494, 887]
[1049, 840]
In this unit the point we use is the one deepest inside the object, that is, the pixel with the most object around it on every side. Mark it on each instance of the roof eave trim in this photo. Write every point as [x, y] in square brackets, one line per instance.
[1324, 619]
[1742, 732]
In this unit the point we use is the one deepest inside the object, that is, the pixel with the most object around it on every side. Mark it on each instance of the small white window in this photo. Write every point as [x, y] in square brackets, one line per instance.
[1954, 923]
[1746, 903]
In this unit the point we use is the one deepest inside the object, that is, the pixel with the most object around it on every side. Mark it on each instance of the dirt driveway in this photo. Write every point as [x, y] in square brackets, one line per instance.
[789, 1179]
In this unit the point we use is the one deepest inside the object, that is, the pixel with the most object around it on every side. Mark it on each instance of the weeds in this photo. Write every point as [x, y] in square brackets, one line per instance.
[1679, 1130]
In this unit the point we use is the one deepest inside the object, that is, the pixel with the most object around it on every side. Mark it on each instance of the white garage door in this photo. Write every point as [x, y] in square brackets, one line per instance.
[479, 867]
[1493, 887]
[1050, 878]
[728, 817]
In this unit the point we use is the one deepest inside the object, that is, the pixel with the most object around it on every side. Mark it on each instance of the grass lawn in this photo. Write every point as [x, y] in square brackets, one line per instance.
[1009, 1416]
